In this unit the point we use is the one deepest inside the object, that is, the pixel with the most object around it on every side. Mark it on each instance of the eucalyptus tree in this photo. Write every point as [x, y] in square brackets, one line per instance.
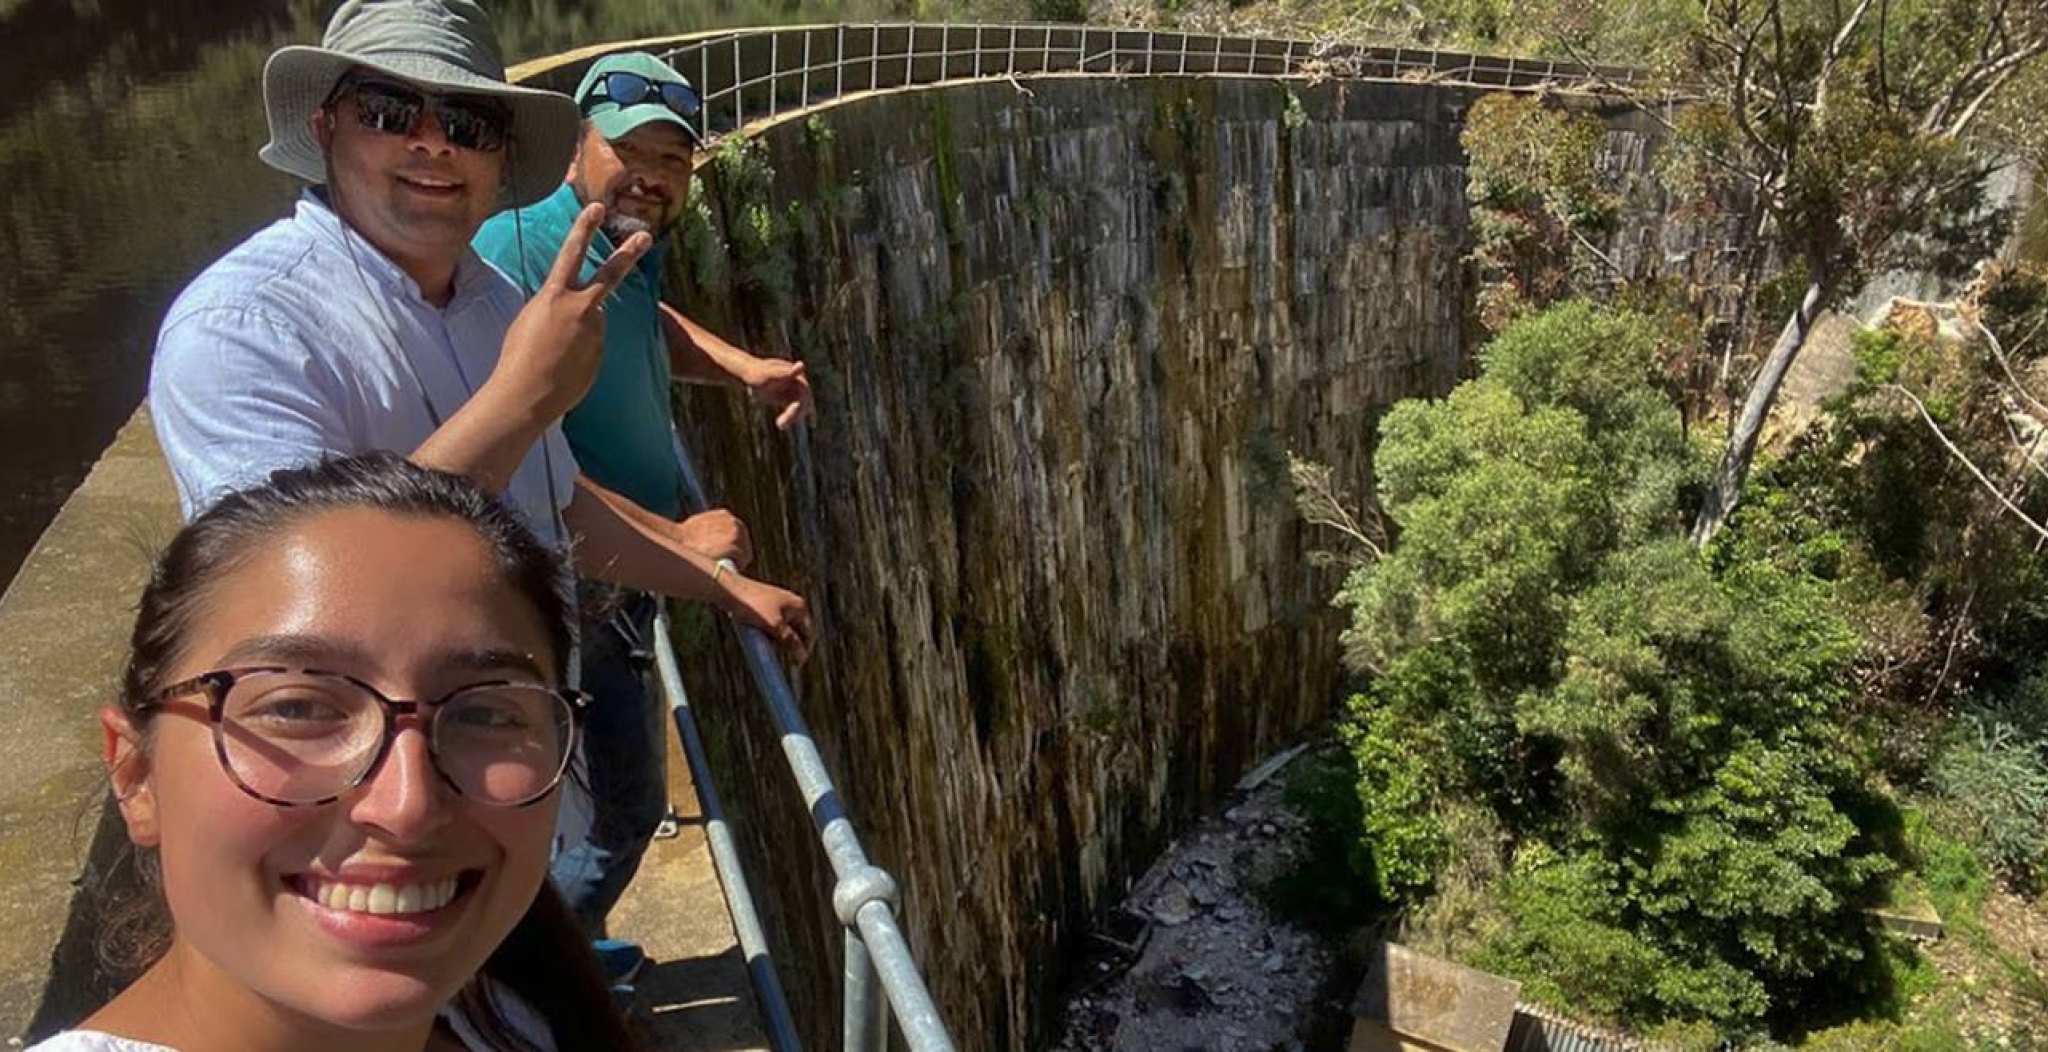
[1856, 131]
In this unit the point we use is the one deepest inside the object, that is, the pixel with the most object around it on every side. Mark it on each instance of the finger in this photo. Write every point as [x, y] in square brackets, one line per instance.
[616, 268]
[803, 391]
[569, 261]
[805, 641]
[793, 643]
[790, 414]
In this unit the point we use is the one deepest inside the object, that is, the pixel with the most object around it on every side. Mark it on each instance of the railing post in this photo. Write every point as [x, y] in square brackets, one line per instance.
[774, 73]
[909, 52]
[875, 60]
[739, 93]
[866, 1012]
[804, 98]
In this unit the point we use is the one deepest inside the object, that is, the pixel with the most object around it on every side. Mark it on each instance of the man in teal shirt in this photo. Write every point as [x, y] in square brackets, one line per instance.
[635, 157]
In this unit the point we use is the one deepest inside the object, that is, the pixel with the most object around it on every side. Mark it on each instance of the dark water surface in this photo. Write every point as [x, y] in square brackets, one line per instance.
[128, 137]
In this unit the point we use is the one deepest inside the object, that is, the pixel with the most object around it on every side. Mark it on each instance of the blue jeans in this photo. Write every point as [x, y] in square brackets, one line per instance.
[624, 752]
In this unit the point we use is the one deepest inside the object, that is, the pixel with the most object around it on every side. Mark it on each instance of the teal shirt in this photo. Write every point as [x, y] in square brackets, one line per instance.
[620, 431]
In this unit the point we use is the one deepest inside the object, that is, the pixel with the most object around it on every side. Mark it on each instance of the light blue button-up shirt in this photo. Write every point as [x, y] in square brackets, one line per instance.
[306, 340]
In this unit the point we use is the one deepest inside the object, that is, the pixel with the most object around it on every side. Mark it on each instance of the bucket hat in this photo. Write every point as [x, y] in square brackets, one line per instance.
[438, 46]
[614, 121]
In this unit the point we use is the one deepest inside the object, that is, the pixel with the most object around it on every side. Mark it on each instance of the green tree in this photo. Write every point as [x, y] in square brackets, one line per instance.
[1653, 727]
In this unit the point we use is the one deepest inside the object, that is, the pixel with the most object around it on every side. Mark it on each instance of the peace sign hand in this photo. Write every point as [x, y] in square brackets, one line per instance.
[552, 350]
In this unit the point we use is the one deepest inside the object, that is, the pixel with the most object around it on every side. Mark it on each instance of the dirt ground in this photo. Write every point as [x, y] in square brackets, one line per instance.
[1995, 981]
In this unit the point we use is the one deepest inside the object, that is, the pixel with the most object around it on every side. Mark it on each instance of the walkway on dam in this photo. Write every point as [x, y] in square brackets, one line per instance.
[63, 627]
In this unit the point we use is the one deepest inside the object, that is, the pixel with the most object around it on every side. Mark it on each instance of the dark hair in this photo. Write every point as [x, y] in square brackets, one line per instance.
[545, 959]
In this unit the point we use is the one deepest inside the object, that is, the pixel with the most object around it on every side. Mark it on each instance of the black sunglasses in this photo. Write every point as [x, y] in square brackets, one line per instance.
[632, 89]
[394, 109]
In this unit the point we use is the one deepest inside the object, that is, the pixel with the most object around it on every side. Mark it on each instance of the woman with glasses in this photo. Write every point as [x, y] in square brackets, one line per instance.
[335, 750]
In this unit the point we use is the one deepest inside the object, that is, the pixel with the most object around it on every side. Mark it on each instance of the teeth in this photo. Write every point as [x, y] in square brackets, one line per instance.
[383, 899]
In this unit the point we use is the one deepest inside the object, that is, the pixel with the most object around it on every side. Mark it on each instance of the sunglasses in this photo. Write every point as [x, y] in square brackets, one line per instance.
[632, 89]
[468, 122]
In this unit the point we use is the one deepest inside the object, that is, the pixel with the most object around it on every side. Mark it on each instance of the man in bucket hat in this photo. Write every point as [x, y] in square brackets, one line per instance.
[364, 320]
[635, 158]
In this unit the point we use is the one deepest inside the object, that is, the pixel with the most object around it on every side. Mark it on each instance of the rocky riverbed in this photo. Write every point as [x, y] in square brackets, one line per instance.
[1193, 958]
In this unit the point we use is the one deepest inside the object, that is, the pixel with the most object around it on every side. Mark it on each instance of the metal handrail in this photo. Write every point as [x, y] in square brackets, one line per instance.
[864, 894]
[725, 856]
[750, 75]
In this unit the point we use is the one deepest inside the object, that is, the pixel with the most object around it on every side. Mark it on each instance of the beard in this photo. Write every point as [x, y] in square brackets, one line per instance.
[619, 226]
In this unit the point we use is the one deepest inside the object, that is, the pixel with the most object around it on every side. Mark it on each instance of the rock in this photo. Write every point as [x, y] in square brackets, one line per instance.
[1189, 998]
[1172, 907]
[1274, 962]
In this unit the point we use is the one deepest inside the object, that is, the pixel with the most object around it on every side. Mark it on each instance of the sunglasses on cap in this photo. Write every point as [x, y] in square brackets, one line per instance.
[632, 89]
[394, 109]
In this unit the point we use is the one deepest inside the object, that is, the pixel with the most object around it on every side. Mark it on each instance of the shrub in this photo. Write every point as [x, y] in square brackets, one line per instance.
[1996, 776]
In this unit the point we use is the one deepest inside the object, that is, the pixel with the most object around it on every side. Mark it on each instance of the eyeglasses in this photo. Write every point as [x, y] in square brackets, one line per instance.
[632, 89]
[394, 109]
[300, 737]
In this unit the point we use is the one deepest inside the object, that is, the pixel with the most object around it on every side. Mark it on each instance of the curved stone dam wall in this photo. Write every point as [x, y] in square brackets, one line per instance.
[1063, 333]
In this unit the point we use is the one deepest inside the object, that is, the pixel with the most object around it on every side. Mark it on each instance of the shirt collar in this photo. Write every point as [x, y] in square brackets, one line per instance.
[316, 214]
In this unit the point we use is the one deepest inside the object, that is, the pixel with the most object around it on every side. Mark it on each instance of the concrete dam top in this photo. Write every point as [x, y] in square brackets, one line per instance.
[1063, 331]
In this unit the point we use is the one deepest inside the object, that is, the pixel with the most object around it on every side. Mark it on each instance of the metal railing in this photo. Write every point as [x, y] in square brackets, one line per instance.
[880, 973]
[756, 74]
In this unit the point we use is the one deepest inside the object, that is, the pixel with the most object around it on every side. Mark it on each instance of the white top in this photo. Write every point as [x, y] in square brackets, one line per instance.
[520, 1016]
[305, 340]
[94, 1041]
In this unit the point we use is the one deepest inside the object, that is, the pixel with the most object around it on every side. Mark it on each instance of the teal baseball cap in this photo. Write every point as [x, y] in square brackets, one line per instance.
[622, 92]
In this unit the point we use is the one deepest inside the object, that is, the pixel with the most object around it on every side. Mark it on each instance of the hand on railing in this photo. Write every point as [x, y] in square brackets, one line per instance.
[781, 615]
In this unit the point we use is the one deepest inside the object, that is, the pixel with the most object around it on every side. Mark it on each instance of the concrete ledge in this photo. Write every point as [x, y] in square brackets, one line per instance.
[64, 624]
